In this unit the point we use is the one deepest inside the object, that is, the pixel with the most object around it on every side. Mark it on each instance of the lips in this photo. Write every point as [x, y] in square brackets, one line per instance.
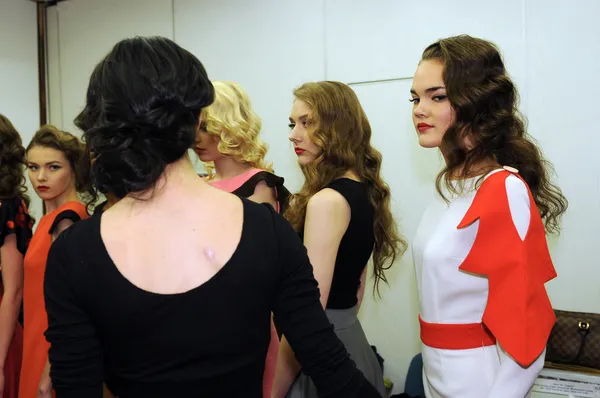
[299, 151]
[43, 188]
[422, 127]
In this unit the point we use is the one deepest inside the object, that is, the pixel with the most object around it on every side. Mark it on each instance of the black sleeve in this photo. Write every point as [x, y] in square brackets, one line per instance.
[273, 181]
[75, 352]
[15, 219]
[7, 226]
[300, 315]
[64, 215]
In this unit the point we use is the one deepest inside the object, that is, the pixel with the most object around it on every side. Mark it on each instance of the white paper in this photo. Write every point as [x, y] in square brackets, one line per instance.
[568, 383]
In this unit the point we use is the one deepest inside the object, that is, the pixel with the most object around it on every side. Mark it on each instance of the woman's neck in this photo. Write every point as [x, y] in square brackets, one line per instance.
[178, 182]
[226, 167]
[477, 169]
[70, 195]
[351, 175]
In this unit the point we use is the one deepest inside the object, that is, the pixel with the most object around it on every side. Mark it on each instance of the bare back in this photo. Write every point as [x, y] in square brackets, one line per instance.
[176, 241]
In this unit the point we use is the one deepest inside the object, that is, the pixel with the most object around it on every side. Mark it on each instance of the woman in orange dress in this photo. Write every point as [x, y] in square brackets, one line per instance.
[228, 142]
[15, 234]
[58, 168]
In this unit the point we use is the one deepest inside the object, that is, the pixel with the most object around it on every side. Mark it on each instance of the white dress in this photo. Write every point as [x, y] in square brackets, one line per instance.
[448, 295]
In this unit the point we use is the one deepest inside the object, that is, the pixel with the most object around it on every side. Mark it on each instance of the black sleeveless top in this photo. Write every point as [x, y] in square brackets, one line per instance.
[356, 245]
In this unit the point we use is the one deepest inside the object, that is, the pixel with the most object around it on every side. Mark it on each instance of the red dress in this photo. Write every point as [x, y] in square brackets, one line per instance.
[35, 346]
[14, 219]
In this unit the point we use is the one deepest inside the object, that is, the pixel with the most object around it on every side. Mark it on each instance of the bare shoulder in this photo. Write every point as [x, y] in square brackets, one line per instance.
[327, 199]
[328, 206]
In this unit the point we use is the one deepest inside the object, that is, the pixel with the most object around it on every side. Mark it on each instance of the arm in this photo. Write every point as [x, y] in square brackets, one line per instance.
[75, 352]
[264, 194]
[12, 279]
[45, 386]
[60, 227]
[327, 218]
[63, 221]
[361, 289]
[513, 380]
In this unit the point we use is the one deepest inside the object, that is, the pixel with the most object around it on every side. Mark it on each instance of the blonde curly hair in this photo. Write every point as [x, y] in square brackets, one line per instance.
[231, 118]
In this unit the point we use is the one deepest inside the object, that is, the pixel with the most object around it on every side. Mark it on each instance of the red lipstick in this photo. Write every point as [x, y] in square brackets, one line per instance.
[422, 127]
[299, 151]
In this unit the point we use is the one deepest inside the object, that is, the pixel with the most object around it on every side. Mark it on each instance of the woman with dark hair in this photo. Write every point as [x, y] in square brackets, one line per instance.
[194, 272]
[15, 234]
[480, 252]
[58, 168]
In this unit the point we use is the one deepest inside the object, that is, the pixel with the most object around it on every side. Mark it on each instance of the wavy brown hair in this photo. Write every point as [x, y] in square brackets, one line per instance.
[75, 151]
[488, 126]
[342, 132]
[12, 163]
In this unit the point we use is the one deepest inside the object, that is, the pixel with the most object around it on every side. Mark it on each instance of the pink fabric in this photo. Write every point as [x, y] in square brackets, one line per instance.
[271, 362]
[230, 185]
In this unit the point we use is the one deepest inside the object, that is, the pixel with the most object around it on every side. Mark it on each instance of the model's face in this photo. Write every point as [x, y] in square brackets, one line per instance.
[432, 111]
[206, 145]
[50, 172]
[301, 127]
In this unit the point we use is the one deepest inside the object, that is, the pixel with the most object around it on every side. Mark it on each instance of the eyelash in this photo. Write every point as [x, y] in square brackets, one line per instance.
[54, 167]
[437, 98]
[304, 124]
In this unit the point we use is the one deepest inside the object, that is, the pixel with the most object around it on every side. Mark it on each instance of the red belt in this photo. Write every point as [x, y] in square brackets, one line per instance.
[455, 336]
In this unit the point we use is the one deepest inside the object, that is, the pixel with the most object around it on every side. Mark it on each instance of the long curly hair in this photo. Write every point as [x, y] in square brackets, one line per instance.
[48, 136]
[12, 163]
[231, 118]
[343, 134]
[488, 125]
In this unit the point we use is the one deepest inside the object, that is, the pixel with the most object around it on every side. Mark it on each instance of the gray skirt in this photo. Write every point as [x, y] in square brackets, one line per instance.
[350, 332]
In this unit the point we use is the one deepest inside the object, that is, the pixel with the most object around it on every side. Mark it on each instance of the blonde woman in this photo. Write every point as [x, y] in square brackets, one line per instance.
[229, 143]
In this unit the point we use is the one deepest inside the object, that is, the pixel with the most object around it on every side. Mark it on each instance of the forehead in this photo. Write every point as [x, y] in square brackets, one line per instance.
[428, 74]
[300, 108]
[43, 155]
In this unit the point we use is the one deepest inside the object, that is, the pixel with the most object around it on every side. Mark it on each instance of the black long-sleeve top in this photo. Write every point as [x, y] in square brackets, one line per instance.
[210, 341]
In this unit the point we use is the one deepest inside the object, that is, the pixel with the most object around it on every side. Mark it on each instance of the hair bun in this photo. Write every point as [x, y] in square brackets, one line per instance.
[142, 108]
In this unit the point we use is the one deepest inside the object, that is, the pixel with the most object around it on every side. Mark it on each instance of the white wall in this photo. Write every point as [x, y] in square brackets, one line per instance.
[271, 46]
[19, 99]
[82, 32]
[562, 83]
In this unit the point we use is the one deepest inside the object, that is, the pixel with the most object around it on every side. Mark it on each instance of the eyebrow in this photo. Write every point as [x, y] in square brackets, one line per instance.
[47, 163]
[300, 119]
[429, 90]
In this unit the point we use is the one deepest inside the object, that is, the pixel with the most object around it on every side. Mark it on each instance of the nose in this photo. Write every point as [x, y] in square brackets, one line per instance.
[421, 110]
[41, 175]
[294, 136]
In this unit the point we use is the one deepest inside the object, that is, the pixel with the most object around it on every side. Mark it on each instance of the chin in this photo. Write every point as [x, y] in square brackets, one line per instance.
[305, 161]
[204, 157]
[46, 195]
[429, 142]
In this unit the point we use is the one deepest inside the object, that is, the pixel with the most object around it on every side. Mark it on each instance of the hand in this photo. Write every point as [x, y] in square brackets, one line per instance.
[45, 387]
